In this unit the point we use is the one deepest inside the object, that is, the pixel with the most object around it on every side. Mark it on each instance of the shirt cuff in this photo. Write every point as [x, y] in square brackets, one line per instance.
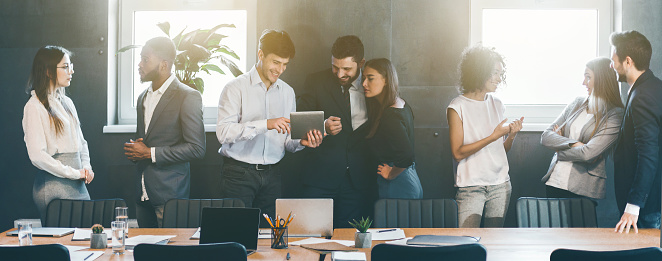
[153, 150]
[632, 209]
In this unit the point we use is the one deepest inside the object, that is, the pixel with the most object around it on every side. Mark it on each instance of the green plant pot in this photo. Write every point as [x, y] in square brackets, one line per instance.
[98, 241]
[362, 240]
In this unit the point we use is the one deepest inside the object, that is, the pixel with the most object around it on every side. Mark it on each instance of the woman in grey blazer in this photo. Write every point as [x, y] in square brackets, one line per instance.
[582, 136]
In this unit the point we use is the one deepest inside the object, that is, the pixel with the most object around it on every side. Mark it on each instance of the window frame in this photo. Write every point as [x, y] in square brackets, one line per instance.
[537, 117]
[126, 116]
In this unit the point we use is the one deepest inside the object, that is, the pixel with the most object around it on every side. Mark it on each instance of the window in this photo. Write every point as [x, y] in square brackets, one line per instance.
[546, 45]
[138, 23]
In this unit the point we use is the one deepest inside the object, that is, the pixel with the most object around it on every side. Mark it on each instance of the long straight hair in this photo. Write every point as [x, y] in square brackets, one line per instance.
[606, 94]
[389, 93]
[43, 76]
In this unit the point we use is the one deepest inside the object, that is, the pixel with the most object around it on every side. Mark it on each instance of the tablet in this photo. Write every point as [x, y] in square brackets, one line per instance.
[305, 121]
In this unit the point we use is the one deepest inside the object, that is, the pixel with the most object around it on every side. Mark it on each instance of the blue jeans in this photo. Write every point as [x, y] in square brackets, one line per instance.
[474, 202]
[406, 185]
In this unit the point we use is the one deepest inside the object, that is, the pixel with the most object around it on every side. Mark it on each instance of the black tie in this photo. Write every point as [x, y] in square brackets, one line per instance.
[348, 105]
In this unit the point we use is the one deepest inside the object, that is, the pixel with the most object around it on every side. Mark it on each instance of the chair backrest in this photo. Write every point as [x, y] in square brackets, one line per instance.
[82, 213]
[556, 212]
[53, 252]
[220, 251]
[187, 213]
[416, 213]
[466, 252]
[643, 254]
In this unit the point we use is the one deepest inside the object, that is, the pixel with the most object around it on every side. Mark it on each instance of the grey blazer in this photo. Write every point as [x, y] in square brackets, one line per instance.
[588, 175]
[177, 132]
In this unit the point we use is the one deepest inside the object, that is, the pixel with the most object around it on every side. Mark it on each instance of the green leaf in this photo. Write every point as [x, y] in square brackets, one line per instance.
[226, 50]
[198, 53]
[178, 38]
[211, 67]
[128, 47]
[165, 27]
[214, 40]
[234, 69]
[200, 84]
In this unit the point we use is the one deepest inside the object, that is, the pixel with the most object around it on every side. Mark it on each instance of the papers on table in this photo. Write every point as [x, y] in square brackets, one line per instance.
[148, 239]
[442, 240]
[313, 240]
[387, 233]
[82, 234]
[399, 241]
[348, 256]
[75, 248]
[85, 255]
[196, 235]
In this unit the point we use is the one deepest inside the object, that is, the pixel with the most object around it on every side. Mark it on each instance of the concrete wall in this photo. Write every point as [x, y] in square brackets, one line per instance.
[423, 38]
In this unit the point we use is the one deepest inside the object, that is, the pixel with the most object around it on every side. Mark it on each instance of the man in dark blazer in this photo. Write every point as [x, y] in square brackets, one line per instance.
[341, 167]
[170, 133]
[637, 155]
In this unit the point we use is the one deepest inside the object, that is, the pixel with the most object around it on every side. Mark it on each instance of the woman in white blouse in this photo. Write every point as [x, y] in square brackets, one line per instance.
[53, 136]
[582, 136]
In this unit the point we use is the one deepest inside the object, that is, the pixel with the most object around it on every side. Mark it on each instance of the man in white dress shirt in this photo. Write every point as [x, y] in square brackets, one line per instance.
[253, 126]
[170, 133]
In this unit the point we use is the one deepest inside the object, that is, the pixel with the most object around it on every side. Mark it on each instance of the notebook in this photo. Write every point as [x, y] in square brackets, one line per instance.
[314, 217]
[305, 121]
[46, 232]
[239, 225]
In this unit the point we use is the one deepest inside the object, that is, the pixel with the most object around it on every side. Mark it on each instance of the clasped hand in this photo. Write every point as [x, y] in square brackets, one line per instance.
[137, 150]
[87, 175]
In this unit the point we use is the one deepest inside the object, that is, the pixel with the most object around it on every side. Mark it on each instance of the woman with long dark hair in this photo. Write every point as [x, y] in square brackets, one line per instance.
[480, 139]
[583, 134]
[391, 134]
[53, 137]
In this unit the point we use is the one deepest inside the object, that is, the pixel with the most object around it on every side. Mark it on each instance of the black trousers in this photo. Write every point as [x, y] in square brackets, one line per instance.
[256, 188]
[348, 202]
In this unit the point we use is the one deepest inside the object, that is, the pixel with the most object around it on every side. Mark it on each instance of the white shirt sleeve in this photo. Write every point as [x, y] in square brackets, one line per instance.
[632, 209]
[35, 141]
[228, 128]
[153, 154]
[83, 150]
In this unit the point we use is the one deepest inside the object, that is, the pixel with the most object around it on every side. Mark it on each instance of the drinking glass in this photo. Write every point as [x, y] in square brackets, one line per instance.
[118, 236]
[24, 233]
[122, 214]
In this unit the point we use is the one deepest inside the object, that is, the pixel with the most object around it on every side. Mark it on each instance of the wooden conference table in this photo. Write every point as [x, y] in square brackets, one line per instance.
[501, 243]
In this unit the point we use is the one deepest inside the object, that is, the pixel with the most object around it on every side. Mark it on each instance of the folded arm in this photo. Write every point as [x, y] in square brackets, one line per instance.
[604, 137]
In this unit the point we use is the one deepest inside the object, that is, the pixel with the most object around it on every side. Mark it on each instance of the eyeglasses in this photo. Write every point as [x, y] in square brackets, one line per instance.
[67, 67]
[500, 74]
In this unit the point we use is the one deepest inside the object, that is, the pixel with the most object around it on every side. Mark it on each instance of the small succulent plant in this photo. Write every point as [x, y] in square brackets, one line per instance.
[97, 229]
[361, 225]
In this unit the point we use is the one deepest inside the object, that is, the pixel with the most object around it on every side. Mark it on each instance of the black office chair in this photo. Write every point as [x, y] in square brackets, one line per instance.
[81, 213]
[187, 213]
[220, 251]
[391, 252]
[416, 213]
[53, 252]
[556, 212]
[643, 254]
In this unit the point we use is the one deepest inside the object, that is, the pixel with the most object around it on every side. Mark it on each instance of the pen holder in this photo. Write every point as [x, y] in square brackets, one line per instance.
[279, 237]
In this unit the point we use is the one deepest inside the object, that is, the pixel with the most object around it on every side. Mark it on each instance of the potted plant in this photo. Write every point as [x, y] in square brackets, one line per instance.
[362, 238]
[195, 50]
[98, 239]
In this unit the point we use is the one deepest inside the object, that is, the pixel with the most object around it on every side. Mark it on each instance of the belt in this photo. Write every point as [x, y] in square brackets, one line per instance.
[227, 160]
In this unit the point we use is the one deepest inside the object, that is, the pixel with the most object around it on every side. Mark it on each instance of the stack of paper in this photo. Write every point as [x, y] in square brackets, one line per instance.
[82, 234]
[348, 256]
[386, 233]
[314, 240]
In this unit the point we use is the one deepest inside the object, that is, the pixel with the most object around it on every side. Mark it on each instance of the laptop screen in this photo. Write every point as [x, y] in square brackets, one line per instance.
[239, 225]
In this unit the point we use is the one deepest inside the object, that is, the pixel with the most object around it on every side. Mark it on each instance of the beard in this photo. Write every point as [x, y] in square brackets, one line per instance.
[150, 76]
[621, 77]
[350, 80]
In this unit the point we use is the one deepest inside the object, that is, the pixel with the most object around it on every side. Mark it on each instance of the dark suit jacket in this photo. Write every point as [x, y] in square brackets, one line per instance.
[177, 132]
[327, 164]
[637, 155]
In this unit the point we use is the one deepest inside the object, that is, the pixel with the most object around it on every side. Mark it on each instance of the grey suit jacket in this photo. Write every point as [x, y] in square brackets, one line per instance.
[588, 174]
[177, 132]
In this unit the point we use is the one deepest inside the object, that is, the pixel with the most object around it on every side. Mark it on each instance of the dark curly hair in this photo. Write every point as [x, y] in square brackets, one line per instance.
[477, 67]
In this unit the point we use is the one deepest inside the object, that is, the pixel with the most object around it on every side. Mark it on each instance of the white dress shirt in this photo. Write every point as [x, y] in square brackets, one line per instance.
[357, 103]
[42, 142]
[152, 99]
[243, 109]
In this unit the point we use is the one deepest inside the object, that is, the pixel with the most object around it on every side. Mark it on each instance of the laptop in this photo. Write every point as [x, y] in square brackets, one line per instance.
[220, 225]
[46, 232]
[314, 217]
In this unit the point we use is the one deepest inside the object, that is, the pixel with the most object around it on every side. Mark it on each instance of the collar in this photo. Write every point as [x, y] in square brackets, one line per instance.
[642, 78]
[165, 85]
[357, 84]
[255, 79]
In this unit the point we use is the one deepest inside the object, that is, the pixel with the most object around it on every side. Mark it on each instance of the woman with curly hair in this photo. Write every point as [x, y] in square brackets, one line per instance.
[479, 140]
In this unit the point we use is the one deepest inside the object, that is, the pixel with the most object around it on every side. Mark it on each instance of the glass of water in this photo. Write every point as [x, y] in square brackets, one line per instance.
[117, 239]
[122, 214]
[24, 233]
